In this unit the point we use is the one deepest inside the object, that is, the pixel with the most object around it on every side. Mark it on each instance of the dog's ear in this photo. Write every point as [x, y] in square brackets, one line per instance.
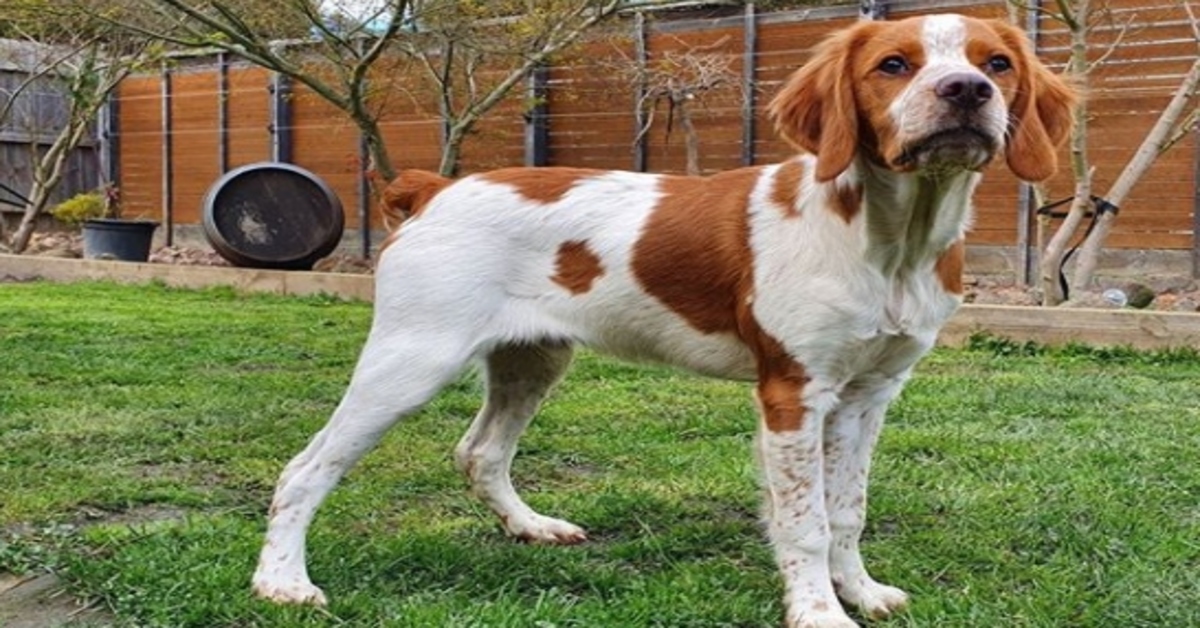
[815, 110]
[1041, 115]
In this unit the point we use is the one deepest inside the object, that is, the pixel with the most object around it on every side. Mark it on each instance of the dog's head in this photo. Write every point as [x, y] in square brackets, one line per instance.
[931, 94]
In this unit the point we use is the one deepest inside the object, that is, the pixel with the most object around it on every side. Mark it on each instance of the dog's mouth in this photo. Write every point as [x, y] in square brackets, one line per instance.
[956, 149]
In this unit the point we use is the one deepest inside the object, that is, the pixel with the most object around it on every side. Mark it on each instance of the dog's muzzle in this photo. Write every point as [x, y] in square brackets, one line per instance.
[949, 150]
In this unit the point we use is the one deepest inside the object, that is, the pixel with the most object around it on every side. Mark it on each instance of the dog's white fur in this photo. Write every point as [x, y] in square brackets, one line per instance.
[824, 278]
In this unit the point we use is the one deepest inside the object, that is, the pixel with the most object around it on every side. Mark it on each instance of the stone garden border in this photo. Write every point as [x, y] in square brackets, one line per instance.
[1051, 326]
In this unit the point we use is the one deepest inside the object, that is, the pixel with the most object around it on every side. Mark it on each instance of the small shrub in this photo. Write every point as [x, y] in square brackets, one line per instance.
[81, 207]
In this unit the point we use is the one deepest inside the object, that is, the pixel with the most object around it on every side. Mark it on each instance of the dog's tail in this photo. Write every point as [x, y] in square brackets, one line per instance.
[408, 194]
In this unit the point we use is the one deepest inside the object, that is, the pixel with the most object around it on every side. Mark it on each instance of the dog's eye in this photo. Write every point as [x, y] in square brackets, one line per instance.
[894, 65]
[998, 64]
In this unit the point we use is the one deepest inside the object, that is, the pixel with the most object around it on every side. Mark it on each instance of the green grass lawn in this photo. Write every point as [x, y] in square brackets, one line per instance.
[142, 430]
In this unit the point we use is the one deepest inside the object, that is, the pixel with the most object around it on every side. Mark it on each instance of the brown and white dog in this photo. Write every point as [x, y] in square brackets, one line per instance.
[823, 279]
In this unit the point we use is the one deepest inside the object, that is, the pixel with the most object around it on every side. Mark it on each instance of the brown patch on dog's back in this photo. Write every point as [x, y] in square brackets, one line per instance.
[949, 267]
[694, 251]
[785, 187]
[540, 185]
[577, 267]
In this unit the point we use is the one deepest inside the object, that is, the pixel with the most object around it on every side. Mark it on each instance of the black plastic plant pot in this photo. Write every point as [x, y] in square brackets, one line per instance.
[117, 239]
[272, 215]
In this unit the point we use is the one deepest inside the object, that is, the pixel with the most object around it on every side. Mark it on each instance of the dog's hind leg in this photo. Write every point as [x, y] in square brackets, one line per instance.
[395, 376]
[518, 378]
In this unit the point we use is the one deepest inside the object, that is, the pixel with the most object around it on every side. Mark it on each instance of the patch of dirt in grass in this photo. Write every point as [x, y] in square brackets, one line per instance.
[41, 600]
[149, 513]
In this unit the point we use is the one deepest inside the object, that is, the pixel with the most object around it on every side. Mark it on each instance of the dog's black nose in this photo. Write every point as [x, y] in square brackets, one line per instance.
[964, 90]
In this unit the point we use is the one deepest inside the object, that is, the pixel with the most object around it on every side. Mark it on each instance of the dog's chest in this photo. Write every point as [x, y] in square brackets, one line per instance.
[842, 317]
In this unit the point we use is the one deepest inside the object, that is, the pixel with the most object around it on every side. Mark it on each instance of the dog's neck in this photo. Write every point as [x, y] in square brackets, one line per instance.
[909, 219]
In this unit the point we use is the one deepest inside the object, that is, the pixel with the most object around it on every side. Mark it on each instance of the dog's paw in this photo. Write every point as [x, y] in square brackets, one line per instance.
[540, 529]
[295, 591]
[873, 599]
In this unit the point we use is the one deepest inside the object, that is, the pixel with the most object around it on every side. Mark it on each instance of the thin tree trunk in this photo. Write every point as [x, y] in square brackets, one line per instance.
[1050, 264]
[452, 150]
[48, 173]
[691, 139]
[1147, 153]
[38, 200]
[381, 161]
[1053, 256]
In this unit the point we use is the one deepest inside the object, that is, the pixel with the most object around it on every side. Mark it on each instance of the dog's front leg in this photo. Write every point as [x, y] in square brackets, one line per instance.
[790, 452]
[850, 435]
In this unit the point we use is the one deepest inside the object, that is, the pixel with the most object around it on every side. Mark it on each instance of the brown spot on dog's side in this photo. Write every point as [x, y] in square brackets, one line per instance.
[847, 201]
[949, 267]
[577, 267]
[694, 257]
[693, 254]
[785, 187]
[540, 185]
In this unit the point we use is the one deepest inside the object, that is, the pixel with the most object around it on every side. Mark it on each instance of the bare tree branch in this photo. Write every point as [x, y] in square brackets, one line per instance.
[1122, 31]
[680, 79]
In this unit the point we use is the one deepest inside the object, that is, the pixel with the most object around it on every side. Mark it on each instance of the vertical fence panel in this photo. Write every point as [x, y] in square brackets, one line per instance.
[222, 112]
[592, 103]
[195, 140]
[140, 162]
[325, 142]
[1196, 203]
[248, 134]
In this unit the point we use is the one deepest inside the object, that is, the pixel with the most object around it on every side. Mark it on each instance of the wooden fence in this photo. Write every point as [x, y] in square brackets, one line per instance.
[178, 131]
[35, 114]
